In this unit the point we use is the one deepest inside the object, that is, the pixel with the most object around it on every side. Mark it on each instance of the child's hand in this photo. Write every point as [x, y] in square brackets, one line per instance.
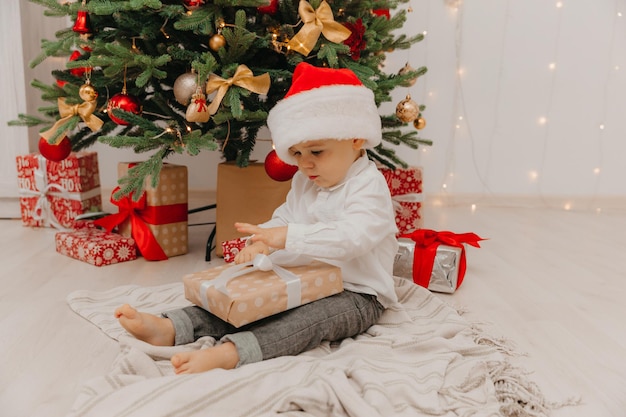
[274, 237]
[248, 253]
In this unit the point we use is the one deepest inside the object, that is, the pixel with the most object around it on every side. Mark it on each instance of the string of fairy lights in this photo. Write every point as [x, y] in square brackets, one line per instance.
[461, 126]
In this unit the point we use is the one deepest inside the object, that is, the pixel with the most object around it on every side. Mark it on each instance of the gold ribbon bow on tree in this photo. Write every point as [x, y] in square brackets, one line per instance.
[84, 110]
[316, 22]
[244, 78]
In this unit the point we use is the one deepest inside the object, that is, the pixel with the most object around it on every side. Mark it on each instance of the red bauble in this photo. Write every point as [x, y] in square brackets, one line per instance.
[79, 72]
[271, 8]
[56, 152]
[382, 12]
[124, 102]
[277, 169]
[193, 4]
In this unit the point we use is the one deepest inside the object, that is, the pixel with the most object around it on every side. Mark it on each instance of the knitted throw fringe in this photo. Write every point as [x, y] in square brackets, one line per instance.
[518, 396]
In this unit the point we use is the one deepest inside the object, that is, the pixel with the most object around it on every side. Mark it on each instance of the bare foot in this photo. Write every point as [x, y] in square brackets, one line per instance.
[221, 356]
[158, 331]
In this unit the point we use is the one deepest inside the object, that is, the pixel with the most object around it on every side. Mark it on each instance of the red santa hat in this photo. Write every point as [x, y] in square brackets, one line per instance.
[323, 103]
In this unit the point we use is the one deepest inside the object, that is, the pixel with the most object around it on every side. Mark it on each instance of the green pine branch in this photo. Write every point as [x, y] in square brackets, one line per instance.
[27, 120]
[134, 182]
[66, 39]
[201, 21]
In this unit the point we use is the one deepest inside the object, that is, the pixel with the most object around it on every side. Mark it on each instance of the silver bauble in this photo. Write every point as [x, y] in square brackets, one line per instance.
[185, 86]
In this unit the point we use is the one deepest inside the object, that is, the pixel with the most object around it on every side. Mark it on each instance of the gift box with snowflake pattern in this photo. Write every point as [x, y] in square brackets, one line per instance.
[405, 185]
[95, 246]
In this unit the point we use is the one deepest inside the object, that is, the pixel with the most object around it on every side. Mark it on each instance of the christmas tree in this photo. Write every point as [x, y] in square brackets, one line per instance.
[182, 76]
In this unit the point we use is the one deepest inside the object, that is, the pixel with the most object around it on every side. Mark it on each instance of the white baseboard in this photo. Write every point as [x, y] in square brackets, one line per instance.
[567, 203]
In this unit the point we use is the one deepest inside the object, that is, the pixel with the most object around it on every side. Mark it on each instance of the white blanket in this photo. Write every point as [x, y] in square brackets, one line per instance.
[421, 359]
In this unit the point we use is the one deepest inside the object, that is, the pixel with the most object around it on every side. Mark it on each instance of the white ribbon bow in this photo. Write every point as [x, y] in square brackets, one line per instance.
[405, 198]
[260, 263]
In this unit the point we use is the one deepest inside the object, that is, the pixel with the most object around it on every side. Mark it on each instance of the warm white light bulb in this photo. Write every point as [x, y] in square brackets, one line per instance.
[601, 127]
[473, 206]
[596, 171]
[559, 4]
[543, 120]
[552, 66]
[533, 175]
[567, 206]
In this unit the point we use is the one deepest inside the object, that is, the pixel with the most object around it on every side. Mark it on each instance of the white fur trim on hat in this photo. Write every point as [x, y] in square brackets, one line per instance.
[329, 112]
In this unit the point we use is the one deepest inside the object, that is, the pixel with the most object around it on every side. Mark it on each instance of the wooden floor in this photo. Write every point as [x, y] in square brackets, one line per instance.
[552, 281]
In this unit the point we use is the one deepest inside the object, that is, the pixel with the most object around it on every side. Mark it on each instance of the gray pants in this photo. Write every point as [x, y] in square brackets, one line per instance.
[288, 333]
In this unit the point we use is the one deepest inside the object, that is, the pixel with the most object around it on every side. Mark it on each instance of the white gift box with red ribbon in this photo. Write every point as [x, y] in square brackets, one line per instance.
[53, 194]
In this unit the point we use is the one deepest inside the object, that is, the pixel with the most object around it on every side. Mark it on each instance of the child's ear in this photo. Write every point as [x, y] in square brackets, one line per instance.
[358, 143]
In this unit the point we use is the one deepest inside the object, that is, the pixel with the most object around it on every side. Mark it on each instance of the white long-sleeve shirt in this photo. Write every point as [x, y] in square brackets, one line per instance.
[350, 225]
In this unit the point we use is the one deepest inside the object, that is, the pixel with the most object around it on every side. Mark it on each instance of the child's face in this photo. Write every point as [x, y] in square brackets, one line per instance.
[326, 161]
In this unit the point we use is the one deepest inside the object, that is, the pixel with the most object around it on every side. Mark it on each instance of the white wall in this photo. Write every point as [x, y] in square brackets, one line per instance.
[12, 102]
[488, 86]
[490, 83]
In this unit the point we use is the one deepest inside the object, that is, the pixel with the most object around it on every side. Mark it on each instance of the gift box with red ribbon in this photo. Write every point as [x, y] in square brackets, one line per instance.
[95, 246]
[52, 194]
[158, 220]
[231, 248]
[244, 293]
[405, 185]
[434, 260]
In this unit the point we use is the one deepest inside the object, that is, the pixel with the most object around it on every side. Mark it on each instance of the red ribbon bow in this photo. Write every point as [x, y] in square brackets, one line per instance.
[201, 105]
[141, 214]
[426, 243]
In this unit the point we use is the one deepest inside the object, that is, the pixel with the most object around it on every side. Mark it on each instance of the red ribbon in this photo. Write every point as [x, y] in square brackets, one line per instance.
[426, 243]
[201, 103]
[141, 215]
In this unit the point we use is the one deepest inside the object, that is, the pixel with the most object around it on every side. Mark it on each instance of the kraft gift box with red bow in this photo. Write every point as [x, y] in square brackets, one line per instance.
[405, 185]
[244, 293]
[158, 220]
[434, 260]
[52, 194]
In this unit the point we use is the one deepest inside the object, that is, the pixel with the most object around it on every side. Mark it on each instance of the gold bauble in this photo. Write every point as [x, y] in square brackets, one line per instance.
[217, 42]
[185, 86]
[404, 70]
[419, 123]
[87, 92]
[407, 110]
